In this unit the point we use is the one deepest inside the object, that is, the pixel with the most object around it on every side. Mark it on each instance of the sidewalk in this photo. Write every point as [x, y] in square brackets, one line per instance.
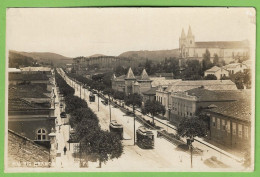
[62, 136]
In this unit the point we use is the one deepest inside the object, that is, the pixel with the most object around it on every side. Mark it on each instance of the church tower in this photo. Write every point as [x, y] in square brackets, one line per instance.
[190, 38]
[182, 44]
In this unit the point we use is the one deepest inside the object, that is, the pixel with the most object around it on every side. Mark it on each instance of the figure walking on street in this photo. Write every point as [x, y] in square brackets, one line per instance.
[64, 149]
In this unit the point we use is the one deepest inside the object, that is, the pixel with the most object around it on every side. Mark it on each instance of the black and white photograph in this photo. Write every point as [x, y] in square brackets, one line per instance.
[169, 89]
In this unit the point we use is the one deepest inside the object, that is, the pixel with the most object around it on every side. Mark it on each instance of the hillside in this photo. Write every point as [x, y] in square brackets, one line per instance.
[44, 57]
[157, 55]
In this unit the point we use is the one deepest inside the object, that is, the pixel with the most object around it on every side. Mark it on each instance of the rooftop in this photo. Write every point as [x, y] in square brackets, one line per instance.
[240, 109]
[27, 77]
[27, 91]
[36, 69]
[222, 44]
[152, 91]
[207, 84]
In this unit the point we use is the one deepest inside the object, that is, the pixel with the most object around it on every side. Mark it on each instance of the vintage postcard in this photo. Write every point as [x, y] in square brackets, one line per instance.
[130, 89]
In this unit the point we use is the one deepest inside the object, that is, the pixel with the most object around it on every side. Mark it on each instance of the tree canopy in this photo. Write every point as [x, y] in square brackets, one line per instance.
[192, 127]
[154, 108]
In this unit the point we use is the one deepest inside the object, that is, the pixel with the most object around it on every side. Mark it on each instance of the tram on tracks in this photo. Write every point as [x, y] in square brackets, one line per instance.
[91, 97]
[116, 128]
[145, 138]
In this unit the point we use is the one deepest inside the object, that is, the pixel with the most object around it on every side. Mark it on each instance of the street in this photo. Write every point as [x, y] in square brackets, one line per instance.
[164, 157]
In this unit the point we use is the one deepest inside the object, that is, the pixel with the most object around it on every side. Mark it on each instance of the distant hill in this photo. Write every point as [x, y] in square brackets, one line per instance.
[44, 57]
[156, 55]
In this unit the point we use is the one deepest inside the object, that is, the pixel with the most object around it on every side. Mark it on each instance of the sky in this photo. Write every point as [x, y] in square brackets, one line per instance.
[76, 32]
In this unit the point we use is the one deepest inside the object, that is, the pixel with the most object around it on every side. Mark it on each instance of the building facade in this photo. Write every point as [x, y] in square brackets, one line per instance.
[219, 72]
[230, 123]
[226, 50]
[130, 83]
[165, 94]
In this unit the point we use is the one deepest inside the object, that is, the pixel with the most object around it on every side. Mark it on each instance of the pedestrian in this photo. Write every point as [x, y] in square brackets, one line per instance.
[64, 149]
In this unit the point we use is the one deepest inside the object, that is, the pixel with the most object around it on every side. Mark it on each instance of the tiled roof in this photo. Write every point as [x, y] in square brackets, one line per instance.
[213, 69]
[23, 104]
[152, 91]
[232, 65]
[207, 84]
[120, 78]
[240, 109]
[209, 95]
[27, 91]
[157, 82]
[27, 77]
[36, 69]
[22, 149]
[222, 44]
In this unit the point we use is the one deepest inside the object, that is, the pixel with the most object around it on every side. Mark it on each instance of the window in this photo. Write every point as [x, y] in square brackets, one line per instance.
[190, 41]
[218, 123]
[239, 130]
[228, 126]
[223, 124]
[234, 128]
[41, 134]
[246, 131]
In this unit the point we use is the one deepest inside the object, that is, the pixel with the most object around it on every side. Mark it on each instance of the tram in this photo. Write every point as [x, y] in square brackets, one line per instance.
[91, 97]
[116, 128]
[145, 138]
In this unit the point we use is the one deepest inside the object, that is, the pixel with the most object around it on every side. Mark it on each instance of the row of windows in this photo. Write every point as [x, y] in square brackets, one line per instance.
[224, 125]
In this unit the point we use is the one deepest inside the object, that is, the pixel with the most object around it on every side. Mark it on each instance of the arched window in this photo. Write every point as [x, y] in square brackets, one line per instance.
[41, 134]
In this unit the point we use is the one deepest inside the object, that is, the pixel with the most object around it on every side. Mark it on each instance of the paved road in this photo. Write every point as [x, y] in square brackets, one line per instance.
[164, 155]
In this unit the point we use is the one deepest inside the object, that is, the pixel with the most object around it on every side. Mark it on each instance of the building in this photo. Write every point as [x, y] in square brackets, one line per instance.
[23, 152]
[31, 105]
[82, 65]
[234, 68]
[163, 93]
[219, 72]
[130, 83]
[231, 122]
[226, 50]
[150, 95]
[187, 103]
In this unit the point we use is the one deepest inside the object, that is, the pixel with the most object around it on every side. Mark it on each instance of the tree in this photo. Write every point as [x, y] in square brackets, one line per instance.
[106, 146]
[238, 79]
[206, 63]
[216, 60]
[134, 100]
[193, 70]
[119, 95]
[73, 102]
[154, 108]
[190, 128]
[210, 77]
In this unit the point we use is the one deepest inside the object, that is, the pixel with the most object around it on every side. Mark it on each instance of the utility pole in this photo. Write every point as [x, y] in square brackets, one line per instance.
[134, 116]
[98, 99]
[80, 90]
[84, 93]
[109, 106]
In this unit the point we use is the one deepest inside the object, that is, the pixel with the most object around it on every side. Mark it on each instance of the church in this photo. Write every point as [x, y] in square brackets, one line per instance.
[226, 50]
